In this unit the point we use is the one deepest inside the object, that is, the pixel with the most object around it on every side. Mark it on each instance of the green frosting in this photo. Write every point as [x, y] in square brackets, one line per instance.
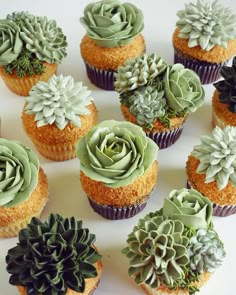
[183, 89]
[206, 251]
[190, 207]
[116, 153]
[217, 156]
[60, 100]
[18, 172]
[206, 24]
[110, 23]
[53, 256]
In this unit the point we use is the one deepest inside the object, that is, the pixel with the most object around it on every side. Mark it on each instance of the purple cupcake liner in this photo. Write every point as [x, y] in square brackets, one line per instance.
[101, 78]
[208, 72]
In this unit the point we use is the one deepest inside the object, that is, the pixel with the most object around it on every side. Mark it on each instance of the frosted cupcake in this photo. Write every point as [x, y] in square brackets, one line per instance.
[175, 250]
[158, 97]
[24, 187]
[211, 169]
[57, 256]
[118, 168]
[56, 114]
[113, 36]
[31, 47]
[205, 38]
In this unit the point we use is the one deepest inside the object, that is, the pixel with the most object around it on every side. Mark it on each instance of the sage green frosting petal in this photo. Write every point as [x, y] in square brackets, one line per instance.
[183, 89]
[206, 24]
[190, 207]
[111, 23]
[116, 153]
[206, 251]
[18, 172]
[60, 100]
[217, 156]
[53, 256]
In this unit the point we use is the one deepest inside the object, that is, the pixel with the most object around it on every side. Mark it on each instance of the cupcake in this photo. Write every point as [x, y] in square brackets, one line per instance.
[175, 250]
[118, 168]
[56, 114]
[205, 38]
[211, 169]
[57, 256]
[113, 36]
[31, 47]
[24, 187]
[158, 97]
[224, 98]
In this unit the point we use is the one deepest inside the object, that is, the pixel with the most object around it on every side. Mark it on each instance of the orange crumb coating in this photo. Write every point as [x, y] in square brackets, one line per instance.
[130, 194]
[175, 122]
[226, 196]
[217, 54]
[29, 207]
[110, 58]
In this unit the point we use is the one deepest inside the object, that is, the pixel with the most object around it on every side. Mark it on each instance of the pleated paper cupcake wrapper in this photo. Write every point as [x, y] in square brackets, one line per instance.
[208, 72]
[216, 121]
[101, 78]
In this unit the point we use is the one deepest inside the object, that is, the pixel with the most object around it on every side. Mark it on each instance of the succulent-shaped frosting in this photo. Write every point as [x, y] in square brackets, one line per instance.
[60, 100]
[18, 17]
[115, 153]
[138, 72]
[190, 207]
[227, 87]
[206, 251]
[217, 156]
[18, 172]
[206, 24]
[53, 256]
[157, 250]
[111, 23]
[183, 89]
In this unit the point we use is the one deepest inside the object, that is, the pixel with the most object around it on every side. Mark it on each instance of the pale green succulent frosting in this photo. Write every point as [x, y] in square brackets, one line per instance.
[60, 100]
[111, 23]
[217, 156]
[19, 168]
[206, 24]
[115, 153]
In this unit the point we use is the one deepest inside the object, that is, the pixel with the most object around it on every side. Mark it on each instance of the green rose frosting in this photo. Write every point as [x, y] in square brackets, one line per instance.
[53, 256]
[110, 23]
[60, 100]
[183, 89]
[116, 153]
[217, 156]
[190, 207]
[206, 24]
[18, 173]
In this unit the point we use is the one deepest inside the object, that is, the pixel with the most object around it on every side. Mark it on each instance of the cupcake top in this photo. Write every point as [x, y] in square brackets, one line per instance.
[206, 24]
[26, 41]
[169, 248]
[152, 89]
[116, 153]
[217, 156]
[18, 172]
[58, 101]
[53, 256]
[111, 23]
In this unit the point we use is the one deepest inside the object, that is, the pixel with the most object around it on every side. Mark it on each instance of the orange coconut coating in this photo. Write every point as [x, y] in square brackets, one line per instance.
[130, 194]
[110, 58]
[175, 122]
[226, 196]
[217, 54]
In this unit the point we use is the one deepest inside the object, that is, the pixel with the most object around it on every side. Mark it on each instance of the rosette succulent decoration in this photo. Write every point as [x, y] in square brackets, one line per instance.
[53, 256]
[111, 23]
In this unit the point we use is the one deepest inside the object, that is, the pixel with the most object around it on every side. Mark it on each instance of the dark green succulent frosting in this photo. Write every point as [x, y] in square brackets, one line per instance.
[53, 256]
[227, 87]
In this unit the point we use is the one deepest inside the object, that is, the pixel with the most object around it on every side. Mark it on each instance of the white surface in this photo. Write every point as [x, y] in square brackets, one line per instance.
[66, 195]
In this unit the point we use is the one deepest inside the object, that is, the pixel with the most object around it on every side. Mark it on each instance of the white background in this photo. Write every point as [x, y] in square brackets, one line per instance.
[66, 195]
